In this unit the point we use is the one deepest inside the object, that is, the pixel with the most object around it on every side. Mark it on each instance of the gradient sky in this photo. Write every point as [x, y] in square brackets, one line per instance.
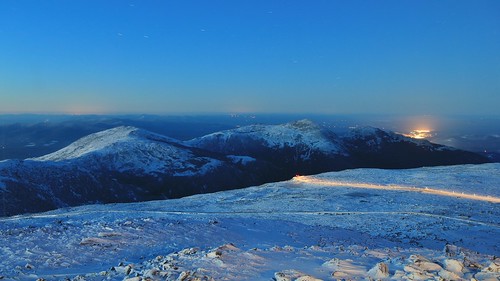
[401, 56]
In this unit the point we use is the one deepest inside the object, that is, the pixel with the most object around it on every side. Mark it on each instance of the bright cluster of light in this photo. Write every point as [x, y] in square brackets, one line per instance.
[419, 134]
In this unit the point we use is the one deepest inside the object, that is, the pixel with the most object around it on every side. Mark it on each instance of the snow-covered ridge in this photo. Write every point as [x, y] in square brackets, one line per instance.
[378, 136]
[302, 132]
[100, 141]
[128, 148]
[90, 144]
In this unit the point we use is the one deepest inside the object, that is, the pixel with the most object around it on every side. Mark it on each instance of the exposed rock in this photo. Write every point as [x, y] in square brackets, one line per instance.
[493, 267]
[152, 273]
[184, 276]
[451, 250]
[307, 278]
[486, 276]
[133, 279]
[217, 252]
[379, 271]
[344, 268]
[214, 254]
[471, 264]
[413, 272]
[126, 270]
[29, 266]
[189, 251]
[424, 264]
[454, 266]
[288, 275]
[280, 276]
[448, 275]
[490, 273]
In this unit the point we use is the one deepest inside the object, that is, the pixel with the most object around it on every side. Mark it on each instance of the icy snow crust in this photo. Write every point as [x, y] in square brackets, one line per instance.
[292, 230]
[129, 148]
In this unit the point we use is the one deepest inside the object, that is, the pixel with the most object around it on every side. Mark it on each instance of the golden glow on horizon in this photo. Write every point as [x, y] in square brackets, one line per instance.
[419, 134]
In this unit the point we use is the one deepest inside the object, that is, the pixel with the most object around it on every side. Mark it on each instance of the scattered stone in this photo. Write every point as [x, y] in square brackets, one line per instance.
[152, 273]
[184, 276]
[228, 247]
[307, 278]
[493, 267]
[340, 274]
[29, 266]
[280, 276]
[486, 276]
[454, 266]
[380, 270]
[448, 275]
[189, 251]
[288, 275]
[429, 266]
[424, 264]
[472, 264]
[489, 273]
[126, 270]
[451, 250]
[345, 268]
[419, 276]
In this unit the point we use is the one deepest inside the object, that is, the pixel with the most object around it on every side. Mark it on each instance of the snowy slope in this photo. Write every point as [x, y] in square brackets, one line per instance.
[376, 137]
[131, 149]
[123, 164]
[292, 135]
[420, 224]
[373, 147]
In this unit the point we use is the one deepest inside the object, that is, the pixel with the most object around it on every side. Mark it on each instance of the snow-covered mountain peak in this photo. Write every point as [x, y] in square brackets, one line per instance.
[364, 132]
[303, 133]
[131, 149]
[375, 137]
[304, 125]
[93, 143]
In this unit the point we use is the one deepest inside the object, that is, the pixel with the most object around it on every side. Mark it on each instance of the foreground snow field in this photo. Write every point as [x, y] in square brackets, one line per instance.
[439, 223]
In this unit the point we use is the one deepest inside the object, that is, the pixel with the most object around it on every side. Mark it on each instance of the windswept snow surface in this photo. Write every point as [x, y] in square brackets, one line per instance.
[302, 229]
[131, 149]
[302, 132]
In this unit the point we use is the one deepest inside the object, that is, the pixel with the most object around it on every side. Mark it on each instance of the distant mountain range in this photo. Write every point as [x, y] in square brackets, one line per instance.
[127, 164]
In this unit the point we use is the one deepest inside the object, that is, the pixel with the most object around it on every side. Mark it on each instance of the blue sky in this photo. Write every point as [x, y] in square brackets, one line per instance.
[164, 57]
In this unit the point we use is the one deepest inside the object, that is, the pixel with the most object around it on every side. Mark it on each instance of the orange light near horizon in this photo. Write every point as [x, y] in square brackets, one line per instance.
[419, 134]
